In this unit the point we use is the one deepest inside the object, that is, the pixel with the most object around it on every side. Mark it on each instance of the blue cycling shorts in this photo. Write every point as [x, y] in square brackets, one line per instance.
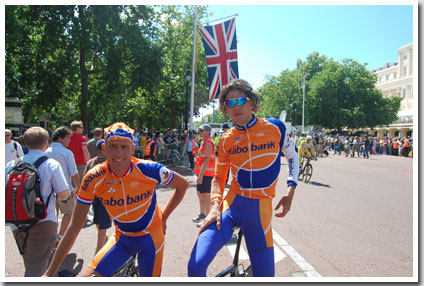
[253, 216]
[120, 248]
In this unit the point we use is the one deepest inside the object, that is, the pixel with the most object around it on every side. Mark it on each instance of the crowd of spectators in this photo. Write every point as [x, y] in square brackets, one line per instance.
[352, 146]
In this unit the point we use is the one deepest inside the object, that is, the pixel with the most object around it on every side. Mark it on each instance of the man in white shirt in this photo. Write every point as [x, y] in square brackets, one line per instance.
[61, 138]
[41, 236]
[13, 149]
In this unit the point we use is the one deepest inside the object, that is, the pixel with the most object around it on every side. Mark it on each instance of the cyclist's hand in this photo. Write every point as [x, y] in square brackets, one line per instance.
[285, 202]
[214, 215]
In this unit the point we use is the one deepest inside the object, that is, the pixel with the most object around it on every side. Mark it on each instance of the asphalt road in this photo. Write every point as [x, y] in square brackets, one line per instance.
[354, 219]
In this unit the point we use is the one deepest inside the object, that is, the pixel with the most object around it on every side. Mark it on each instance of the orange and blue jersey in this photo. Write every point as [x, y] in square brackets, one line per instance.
[253, 152]
[131, 203]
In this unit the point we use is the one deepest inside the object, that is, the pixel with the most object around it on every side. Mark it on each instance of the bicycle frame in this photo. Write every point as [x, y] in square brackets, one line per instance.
[233, 268]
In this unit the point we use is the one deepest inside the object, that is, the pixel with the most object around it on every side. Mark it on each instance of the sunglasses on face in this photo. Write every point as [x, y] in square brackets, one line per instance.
[236, 101]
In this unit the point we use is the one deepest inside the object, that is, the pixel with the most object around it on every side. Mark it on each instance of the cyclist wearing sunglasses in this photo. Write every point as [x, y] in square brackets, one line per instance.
[252, 148]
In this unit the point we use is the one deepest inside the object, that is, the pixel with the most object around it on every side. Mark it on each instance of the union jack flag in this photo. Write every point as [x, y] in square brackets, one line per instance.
[220, 43]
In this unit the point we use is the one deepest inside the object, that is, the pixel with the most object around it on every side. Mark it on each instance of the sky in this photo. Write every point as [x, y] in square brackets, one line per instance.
[271, 38]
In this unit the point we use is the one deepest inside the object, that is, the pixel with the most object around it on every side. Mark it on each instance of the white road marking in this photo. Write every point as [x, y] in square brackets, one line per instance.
[303, 264]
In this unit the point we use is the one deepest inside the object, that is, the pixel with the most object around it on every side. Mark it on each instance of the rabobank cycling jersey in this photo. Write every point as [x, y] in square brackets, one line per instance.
[254, 154]
[131, 203]
[130, 200]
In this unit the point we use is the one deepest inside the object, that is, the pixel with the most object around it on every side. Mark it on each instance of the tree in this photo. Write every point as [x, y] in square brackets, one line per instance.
[338, 95]
[344, 95]
[62, 59]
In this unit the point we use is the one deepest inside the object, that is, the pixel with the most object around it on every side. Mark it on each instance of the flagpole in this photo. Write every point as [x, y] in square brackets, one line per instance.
[192, 69]
[208, 22]
[303, 109]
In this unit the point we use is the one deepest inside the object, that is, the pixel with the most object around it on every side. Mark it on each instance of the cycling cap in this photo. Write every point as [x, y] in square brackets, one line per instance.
[119, 131]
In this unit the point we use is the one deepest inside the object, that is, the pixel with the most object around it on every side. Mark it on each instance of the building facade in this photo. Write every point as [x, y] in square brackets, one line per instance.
[397, 79]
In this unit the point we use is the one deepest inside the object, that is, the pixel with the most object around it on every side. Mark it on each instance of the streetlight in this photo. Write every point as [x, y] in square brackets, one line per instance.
[187, 79]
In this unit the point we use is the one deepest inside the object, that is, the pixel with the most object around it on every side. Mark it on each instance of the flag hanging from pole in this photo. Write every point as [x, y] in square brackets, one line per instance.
[220, 43]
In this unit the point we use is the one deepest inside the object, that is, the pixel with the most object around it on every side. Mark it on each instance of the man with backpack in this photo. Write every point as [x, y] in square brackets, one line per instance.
[12, 148]
[34, 227]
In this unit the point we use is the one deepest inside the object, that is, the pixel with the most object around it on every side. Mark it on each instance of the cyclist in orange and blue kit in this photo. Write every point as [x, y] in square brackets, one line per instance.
[126, 187]
[252, 149]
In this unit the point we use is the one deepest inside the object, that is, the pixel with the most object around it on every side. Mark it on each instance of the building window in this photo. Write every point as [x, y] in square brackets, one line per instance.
[405, 69]
[404, 93]
[387, 77]
[396, 133]
[394, 75]
[405, 56]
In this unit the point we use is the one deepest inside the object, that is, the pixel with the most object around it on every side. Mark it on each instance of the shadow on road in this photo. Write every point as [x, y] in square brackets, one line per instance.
[72, 264]
[319, 184]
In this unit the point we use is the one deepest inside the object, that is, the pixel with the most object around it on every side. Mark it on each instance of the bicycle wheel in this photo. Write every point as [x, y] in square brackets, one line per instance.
[307, 173]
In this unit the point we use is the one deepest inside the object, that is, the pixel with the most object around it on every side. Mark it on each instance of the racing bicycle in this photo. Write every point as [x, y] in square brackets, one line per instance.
[306, 169]
[129, 268]
[236, 269]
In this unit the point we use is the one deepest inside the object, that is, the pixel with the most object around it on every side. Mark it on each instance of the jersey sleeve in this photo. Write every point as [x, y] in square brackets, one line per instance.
[221, 172]
[87, 189]
[156, 171]
[292, 161]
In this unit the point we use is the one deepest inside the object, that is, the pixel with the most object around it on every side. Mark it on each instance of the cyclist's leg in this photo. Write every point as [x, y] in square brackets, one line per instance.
[255, 221]
[301, 154]
[112, 256]
[150, 255]
[209, 242]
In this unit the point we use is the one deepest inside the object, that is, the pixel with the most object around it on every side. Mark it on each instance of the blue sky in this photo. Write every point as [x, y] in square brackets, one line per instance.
[271, 38]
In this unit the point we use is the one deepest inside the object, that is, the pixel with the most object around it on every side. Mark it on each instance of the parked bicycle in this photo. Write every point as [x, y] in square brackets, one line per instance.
[305, 172]
[236, 269]
[177, 158]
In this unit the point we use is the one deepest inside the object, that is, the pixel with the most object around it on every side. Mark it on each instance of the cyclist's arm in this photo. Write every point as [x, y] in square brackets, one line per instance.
[293, 173]
[77, 222]
[180, 185]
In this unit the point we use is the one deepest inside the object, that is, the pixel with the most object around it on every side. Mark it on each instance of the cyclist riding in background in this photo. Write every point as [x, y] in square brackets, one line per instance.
[306, 149]
[126, 187]
[252, 148]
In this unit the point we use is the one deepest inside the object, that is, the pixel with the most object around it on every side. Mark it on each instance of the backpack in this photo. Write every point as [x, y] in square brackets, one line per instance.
[24, 203]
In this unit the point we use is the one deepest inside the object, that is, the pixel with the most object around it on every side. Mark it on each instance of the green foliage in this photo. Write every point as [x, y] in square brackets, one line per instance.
[102, 64]
[337, 95]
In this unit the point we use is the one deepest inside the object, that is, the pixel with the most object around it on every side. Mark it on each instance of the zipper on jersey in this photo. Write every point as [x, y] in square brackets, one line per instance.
[250, 159]
[125, 197]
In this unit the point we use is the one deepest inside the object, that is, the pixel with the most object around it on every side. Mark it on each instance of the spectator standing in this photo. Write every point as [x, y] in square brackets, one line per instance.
[61, 138]
[191, 149]
[356, 147]
[204, 168]
[406, 147]
[142, 143]
[42, 236]
[367, 145]
[395, 147]
[149, 151]
[91, 145]
[13, 149]
[78, 146]
[100, 217]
